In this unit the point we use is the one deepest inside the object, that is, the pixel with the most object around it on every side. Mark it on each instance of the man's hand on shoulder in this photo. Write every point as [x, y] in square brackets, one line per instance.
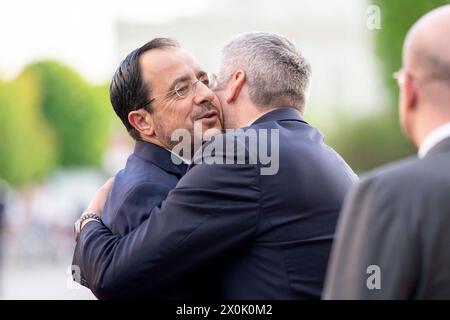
[98, 201]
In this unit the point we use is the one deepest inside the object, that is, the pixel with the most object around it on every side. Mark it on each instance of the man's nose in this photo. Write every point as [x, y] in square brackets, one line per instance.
[203, 94]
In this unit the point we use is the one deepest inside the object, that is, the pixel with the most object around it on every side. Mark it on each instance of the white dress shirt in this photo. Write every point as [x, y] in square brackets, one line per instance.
[437, 135]
[185, 161]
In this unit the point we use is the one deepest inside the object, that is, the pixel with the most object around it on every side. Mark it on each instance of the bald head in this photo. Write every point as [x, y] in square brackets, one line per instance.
[427, 46]
[425, 85]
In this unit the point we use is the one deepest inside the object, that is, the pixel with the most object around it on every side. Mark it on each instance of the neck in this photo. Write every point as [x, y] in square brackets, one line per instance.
[248, 114]
[155, 141]
[432, 122]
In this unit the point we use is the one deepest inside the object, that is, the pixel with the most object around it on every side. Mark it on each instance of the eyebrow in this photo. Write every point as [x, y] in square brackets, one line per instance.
[184, 78]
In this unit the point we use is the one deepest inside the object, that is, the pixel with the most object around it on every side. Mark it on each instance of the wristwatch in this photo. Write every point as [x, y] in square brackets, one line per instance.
[84, 216]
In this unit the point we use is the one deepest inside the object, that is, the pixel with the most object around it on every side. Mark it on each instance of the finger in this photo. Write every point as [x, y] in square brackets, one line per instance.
[108, 184]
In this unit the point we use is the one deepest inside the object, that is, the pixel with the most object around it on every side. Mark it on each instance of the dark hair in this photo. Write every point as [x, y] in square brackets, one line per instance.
[127, 91]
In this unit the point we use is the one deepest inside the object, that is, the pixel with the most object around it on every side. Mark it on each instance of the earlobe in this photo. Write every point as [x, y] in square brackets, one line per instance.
[237, 83]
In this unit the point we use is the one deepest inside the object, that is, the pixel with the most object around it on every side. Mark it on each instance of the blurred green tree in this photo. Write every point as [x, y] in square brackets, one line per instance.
[397, 17]
[375, 140]
[78, 113]
[27, 145]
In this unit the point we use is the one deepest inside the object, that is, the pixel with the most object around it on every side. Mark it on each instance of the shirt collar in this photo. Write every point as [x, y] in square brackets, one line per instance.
[160, 157]
[437, 135]
[286, 113]
[177, 156]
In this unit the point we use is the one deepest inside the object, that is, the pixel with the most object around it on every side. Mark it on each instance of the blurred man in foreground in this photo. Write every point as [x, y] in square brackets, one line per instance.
[393, 238]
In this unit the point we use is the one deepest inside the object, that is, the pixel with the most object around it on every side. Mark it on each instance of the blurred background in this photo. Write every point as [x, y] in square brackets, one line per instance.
[60, 139]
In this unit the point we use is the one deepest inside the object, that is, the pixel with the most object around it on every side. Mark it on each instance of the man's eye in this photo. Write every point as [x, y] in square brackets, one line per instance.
[205, 80]
[182, 89]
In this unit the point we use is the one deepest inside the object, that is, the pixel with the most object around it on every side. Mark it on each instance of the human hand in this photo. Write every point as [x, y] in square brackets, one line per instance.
[97, 203]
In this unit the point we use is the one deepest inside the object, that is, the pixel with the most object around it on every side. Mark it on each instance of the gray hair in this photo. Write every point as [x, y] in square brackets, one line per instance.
[276, 73]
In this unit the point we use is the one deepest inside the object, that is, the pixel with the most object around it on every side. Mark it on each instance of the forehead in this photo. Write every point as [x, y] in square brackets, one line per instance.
[162, 66]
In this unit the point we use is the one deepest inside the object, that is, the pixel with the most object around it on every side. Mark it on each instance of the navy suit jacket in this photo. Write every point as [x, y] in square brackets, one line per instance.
[142, 185]
[269, 236]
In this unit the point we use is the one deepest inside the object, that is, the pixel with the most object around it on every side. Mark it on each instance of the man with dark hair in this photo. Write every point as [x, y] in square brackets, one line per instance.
[157, 89]
[139, 77]
[267, 229]
[128, 91]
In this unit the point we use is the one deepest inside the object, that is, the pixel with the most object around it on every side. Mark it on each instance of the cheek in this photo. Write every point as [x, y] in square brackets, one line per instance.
[218, 103]
[220, 97]
[403, 114]
[180, 115]
[401, 106]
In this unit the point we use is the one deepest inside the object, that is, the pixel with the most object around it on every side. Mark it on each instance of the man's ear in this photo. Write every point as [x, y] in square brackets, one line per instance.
[142, 121]
[410, 93]
[236, 81]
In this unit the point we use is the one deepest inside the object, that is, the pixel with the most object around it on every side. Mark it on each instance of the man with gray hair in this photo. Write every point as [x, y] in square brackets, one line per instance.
[277, 75]
[264, 235]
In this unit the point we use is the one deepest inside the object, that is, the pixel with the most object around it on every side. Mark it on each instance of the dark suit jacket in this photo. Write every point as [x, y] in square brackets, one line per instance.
[142, 185]
[398, 219]
[269, 235]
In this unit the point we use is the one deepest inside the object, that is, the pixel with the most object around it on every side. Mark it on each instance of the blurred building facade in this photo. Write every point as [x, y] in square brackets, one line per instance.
[333, 36]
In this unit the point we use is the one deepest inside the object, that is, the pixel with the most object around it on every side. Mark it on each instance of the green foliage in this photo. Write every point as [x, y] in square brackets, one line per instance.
[397, 17]
[372, 141]
[375, 140]
[27, 150]
[78, 113]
